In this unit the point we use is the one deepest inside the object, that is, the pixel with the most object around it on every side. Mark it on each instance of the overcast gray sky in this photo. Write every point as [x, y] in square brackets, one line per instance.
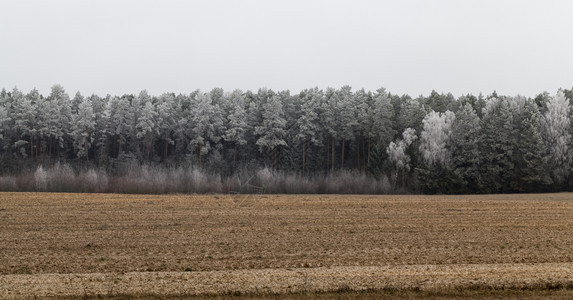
[407, 46]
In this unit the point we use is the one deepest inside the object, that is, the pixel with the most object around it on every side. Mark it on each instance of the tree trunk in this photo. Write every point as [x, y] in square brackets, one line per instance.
[87, 153]
[332, 157]
[37, 149]
[342, 156]
[358, 153]
[50, 150]
[148, 151]
[57, 151]
[165, 142]
[235, 157]
[327, 151]
[18, 157]
[119, 147]
[364, 162]
[368, 161]
[274, 158]
[200, 158]
[42, 154]
[31, 148]
[303, 157]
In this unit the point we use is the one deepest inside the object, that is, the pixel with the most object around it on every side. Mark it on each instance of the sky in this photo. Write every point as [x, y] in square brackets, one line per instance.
[406, 46]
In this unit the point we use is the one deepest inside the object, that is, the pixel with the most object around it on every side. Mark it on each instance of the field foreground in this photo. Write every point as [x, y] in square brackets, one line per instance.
[103, 244]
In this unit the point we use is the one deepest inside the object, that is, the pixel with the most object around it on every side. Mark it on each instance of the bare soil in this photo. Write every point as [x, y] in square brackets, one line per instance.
[106, 244]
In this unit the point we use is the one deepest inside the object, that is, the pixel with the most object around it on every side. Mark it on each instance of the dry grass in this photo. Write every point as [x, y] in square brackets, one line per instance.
[105, 244]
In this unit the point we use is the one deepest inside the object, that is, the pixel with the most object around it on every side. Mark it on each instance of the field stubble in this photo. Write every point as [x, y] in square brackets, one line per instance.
[281, 244]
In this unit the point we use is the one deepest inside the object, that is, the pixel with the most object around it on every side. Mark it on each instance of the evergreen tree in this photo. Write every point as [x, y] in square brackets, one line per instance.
[465, 139]
[142, 127]
[270, 133]
[530, 153]
[39, 127]
[121, 123]
[183, 130]
[497, 147]
[146, 129]
[440, 102]
[76, 101]
[57, 112]
[307, 125]
[83, 127]
[412, 112]
[237, 127]
[101, 133]
[348, 119]
[24, 116]
[363, 102]
[331, 123]
[4, 121]
[165, 122]
[204, 126]
[382, 130]
[379, 131]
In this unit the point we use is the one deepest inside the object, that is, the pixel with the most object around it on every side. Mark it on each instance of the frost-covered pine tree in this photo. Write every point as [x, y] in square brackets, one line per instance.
[146, 129]
[183, 111]
[331, 123]
[363, 103]
[165, 120]
[6, 134]
[121, 122]
[76, 101]
[271, 131]
[140, 128]
[57, 112]
[37, 127]
[205, 124]
[24, 116]
[348, 119]
[217, 118]
[101, 136]
[4, 121]
[308, 124]
[236, 125]
[83, 128]
[557, 134]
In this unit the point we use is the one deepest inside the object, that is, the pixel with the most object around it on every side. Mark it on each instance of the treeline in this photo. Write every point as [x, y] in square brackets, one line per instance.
[316, 141]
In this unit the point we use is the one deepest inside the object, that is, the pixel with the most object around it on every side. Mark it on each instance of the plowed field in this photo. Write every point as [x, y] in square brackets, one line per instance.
[105, 244]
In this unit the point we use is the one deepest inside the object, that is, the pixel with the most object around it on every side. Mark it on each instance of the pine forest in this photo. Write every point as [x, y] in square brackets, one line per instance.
[316, 141]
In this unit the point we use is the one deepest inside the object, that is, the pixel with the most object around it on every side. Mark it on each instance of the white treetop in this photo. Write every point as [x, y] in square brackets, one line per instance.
[557, 126]
[435, 137]
[83, 126]
[397, 150]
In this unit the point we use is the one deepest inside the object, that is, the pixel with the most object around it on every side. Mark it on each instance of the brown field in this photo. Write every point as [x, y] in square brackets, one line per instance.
[183, 245]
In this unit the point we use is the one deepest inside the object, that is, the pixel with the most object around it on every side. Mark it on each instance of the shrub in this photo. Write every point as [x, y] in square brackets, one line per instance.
[8, 184]
[145, 179]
